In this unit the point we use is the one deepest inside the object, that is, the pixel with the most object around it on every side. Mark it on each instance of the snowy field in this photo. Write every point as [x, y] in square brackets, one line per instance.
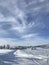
[4, 51]
[24, 57]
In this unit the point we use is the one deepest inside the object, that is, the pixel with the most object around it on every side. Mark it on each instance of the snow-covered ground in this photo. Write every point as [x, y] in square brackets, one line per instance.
[24, 57]
[4, 51]
[20, 53]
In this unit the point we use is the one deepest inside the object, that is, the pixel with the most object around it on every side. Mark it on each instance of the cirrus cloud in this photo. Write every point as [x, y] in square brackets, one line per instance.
[25, 20]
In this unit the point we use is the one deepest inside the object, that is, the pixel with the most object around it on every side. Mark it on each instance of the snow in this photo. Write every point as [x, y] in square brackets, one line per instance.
[22, 57]
[20, 53]
[4, 51]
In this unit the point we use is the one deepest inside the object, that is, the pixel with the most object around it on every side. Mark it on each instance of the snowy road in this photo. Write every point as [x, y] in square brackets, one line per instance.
[18, 58]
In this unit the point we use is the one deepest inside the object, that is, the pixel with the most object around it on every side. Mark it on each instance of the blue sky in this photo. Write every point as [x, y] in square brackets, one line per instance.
[24, 22]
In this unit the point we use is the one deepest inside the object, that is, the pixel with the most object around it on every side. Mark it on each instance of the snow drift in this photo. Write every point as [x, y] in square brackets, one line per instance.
[20, 53]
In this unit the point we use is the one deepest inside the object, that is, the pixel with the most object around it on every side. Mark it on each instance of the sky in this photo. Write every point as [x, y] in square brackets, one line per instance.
[24, 22]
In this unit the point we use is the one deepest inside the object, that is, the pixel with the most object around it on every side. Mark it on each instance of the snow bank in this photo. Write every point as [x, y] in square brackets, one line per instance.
[20, 53]
[4, 51]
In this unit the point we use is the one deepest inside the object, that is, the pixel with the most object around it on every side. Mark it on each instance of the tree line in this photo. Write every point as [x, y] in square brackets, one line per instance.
[5, 47]
[16, 47]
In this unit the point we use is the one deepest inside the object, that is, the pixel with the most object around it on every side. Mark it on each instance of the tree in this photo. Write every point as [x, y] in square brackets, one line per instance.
[8, 46]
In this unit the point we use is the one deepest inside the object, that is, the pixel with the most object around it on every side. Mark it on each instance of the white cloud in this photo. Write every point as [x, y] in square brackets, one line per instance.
[33, 2]
[6, 41]
[35, 40]
[16, 13]
[41, 0]
[14, 42]
[6, 19]
[19, 29]
[29, 36]
[31, 24]
[22, 28]
[37, 9]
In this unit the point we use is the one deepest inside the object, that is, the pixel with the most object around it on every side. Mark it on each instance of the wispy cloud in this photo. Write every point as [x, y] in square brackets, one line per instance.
[23, 20]
[29, 36]
[5, 41]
